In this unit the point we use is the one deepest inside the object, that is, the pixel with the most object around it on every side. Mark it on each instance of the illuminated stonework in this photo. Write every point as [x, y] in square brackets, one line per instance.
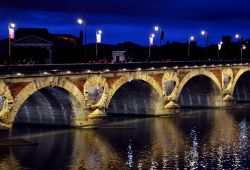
[94, 90]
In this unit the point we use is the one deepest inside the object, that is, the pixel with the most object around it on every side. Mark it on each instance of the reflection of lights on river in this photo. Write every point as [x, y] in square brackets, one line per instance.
[193, 164]
[243, 137]
[130, 155]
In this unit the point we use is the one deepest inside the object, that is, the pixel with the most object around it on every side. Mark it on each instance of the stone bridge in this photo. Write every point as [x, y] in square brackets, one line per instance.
[81, 97]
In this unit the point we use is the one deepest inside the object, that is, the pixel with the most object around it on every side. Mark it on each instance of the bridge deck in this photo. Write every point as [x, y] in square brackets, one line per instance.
[7, 69]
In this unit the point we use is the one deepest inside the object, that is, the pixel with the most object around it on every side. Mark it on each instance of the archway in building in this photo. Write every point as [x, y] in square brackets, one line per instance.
[51, 106]
[135, 97]
[241, 91]
[200, 91]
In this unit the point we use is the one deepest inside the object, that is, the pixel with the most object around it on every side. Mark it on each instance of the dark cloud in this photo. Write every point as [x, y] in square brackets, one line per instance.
[162, 9]
[130, 19]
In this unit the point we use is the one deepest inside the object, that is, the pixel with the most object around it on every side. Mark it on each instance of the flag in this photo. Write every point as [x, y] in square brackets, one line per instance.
[98, 38]
[11, 33]
[151, 40]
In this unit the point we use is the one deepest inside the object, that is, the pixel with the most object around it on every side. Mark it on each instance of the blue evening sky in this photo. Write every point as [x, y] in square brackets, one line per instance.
[131, 20]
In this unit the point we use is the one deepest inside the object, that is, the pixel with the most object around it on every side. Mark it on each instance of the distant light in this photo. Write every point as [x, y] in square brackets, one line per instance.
[138, 69]
[164, 67]
[107, 70]
[203, 32]
[152, 35]
[12, 25]
[156, 28]
[99, 32]
[228, 65]
[244, 47]
[124, 69]
[195, 66]
[212, 65]
[88, 71]
[204, 65]
[176, 67]
[18, 74]
[79, 21]
[237, 35]
[45, 73]
[68, 72]
[191, 38]
[186, 66]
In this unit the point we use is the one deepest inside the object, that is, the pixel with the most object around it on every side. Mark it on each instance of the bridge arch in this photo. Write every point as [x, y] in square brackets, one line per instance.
[241, 75]
[137, 79]
[192, 74]
[43, 83]
[127, 78]
[237, 77]
[195, 74]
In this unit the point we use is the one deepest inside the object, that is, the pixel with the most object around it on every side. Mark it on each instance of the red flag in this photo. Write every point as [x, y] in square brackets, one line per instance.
[11, 33]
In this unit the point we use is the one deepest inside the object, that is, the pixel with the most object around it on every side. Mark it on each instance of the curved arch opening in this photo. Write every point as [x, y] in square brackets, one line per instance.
[241, 91]
[135, 97]
[200, 91]
[51, 106]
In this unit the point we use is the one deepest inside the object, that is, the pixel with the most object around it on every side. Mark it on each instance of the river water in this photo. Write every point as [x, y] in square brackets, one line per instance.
[191, 139]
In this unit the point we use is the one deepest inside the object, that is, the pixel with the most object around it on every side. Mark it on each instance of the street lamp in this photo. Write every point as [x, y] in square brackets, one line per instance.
[243, 47]
[238, 36]
[82, 21]
[151, 43]
[161, 33]
[219, 48]
[191, 38]
[204, 33]
[98, 40]
[11, 28]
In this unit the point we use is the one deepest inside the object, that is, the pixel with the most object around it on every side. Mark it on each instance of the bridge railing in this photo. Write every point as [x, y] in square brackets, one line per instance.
[99, 67]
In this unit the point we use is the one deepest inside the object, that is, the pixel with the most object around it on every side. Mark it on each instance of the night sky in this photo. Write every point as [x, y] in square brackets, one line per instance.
[131, 20]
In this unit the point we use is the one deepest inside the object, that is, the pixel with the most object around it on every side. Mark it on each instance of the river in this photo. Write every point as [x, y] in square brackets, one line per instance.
[191, 139]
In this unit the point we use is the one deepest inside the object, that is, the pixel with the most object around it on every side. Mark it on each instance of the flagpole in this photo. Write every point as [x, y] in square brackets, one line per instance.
[11, 30]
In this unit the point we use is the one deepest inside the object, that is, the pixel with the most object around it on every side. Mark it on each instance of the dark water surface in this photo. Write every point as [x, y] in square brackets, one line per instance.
[207, 139]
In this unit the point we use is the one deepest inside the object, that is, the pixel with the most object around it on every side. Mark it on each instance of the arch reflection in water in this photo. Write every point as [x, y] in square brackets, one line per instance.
[209, 139]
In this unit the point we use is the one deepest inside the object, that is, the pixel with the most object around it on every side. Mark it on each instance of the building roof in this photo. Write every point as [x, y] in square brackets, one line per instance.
[31, 41]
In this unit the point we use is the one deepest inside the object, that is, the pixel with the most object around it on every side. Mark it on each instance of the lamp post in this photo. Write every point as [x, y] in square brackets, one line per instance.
[219, 48]
[82, 21]
[238, 36]
[204, 33]
[191, 38]
[243, 47]
[157, 28]
[11, 28]
[98, 40]
[151, 42]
